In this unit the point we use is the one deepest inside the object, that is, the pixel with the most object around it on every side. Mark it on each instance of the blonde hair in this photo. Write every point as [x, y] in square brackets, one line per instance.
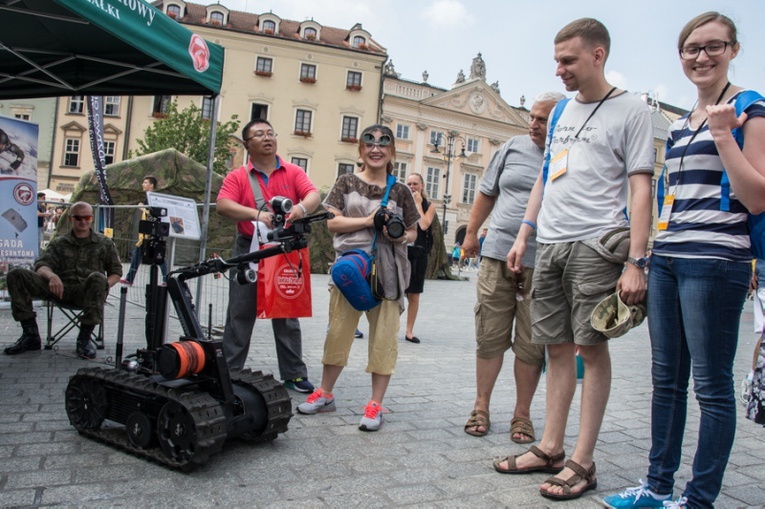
[423, 193]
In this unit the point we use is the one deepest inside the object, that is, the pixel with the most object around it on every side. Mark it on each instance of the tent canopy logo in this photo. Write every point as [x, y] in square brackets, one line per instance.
[200, 53]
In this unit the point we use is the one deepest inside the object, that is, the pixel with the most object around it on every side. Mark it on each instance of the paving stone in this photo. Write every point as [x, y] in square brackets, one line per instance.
[420, 458]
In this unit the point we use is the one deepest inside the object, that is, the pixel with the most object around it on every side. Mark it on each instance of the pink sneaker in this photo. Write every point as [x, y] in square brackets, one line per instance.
[372, 419]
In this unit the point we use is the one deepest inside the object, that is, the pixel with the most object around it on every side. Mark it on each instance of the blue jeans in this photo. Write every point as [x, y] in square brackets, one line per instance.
[694, 308]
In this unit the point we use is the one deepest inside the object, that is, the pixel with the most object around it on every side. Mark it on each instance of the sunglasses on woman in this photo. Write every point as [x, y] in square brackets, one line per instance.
[369, 140]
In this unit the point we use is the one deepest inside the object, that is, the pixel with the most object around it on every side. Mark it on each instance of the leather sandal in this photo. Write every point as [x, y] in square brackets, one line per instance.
[522, 426]
[580, 473]
[548, 466]
[478, 418]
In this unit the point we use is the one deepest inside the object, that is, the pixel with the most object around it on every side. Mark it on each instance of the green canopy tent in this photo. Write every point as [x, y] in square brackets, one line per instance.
[105, 47]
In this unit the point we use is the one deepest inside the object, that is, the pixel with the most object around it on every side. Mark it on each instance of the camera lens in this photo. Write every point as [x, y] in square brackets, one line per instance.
[395, 227]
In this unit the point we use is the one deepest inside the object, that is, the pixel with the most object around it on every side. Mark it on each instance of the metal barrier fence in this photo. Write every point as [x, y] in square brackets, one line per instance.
[214, 290]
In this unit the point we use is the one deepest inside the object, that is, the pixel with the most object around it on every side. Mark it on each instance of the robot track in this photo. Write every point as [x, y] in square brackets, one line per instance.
[177, 426]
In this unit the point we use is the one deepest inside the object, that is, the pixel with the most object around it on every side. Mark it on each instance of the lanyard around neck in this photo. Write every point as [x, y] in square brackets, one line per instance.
[697, 131]
[576, 137]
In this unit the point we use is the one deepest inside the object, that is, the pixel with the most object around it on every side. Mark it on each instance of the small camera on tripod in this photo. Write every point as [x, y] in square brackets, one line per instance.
[153, 245]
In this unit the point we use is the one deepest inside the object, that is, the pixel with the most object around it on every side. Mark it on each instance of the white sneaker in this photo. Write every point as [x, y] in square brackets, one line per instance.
[746, 390]
[372, 419]
[680, 503]
[316, 403]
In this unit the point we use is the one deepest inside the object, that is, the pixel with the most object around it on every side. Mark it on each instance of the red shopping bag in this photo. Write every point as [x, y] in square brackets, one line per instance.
[284, 285]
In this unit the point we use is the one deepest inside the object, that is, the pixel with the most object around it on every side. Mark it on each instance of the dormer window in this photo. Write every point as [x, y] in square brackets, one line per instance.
[359, 42]
[310, 34]
[217, 18]
[174, 11]
[269, 27]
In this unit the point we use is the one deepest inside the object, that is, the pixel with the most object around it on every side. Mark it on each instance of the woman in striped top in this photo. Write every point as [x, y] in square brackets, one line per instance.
[700, 269]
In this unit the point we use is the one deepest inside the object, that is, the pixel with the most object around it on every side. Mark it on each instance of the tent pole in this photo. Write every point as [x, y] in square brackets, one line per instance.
[208, 190]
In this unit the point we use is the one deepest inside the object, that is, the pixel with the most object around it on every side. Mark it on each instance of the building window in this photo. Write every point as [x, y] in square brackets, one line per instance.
[207, 108]
[302, 162]
[310, 34]
[473, 145]
[77, 104]
[109, 147]
[353, 81]
[259, 111]
[344, 169]
[432, 179]
[269, 27]
[402, 132]
[72, 152]
[112, 106]
[468, 189]
[161, 105]
[22, 116]
[350, 129]
[437, 138]
[303, 123]
[359, 42]
[174, 11]
[399, 171]
[308, 73]
[216, 18]
[264, 66]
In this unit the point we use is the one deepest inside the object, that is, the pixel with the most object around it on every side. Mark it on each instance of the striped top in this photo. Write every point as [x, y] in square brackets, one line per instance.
[697, 227]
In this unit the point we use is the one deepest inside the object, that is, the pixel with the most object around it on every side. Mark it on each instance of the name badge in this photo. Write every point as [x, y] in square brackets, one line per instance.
[666, 211]
[558, 164]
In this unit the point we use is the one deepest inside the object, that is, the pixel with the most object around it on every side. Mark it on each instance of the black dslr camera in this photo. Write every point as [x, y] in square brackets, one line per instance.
[394, 222]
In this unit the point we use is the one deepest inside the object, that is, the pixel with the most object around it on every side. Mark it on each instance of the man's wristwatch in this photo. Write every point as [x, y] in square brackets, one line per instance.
[640, 263]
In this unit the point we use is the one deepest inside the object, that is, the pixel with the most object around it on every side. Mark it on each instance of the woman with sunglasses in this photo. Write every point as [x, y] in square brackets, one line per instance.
[355, 200]
[699, 269]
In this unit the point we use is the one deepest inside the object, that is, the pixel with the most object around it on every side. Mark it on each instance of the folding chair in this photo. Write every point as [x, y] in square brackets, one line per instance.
[73, 315]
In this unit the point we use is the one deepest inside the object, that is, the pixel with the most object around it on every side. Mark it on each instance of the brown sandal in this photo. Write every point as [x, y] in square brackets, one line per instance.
[549, 466]
[478, 418]
[579, 474]
[522, 426]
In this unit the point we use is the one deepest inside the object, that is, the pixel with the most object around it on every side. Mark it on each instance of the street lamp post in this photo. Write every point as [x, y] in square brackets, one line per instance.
[448, 155]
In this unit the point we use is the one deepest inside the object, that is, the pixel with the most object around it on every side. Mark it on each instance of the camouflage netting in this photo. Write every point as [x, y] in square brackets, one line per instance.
[178, 175]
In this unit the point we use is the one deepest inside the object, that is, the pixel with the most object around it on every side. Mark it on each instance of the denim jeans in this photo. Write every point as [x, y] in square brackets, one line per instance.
[694, 308]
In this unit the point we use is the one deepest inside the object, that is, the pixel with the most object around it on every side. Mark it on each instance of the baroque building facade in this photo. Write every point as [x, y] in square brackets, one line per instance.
[319, 87]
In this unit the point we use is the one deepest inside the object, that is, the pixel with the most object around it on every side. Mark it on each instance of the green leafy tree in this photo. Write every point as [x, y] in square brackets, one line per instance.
[187, 132]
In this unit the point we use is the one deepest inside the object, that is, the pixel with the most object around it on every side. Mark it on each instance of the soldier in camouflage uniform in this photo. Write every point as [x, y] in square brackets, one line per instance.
[76, 269]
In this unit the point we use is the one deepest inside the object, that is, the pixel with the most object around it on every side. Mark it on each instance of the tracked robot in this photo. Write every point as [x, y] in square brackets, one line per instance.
[177, 403]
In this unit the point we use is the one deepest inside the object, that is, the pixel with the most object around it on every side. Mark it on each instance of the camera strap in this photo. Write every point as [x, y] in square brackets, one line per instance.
[391, 180]
[257, 195]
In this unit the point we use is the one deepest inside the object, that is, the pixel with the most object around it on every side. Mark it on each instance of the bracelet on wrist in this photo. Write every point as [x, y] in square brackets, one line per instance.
[305, 211]
[527, 222]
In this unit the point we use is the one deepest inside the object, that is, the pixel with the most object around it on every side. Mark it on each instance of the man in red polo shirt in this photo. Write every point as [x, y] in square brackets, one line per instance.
[236, 201]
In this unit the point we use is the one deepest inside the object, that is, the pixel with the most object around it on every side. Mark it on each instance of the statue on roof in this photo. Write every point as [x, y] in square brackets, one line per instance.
[460, 77]
[478, 68]
[389, 69]
[425, 76]
[495, 86]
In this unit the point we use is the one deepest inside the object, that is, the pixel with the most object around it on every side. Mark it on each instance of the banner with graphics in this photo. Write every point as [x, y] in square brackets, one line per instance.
[96, 130]
[18, 195]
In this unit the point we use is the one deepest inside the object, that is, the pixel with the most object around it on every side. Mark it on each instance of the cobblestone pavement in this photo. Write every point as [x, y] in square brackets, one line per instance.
[421, 457]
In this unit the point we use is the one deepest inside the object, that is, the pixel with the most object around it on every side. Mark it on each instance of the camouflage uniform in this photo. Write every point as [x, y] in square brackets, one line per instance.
[83, 266]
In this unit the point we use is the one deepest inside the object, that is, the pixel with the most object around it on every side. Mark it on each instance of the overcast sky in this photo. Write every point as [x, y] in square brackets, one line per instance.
[516, 38]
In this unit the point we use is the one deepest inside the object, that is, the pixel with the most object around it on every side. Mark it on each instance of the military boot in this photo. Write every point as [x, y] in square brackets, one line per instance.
[85, 349]
[29, 340]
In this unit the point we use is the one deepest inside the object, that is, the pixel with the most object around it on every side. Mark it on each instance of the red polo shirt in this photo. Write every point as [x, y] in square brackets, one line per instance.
[288, 180]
